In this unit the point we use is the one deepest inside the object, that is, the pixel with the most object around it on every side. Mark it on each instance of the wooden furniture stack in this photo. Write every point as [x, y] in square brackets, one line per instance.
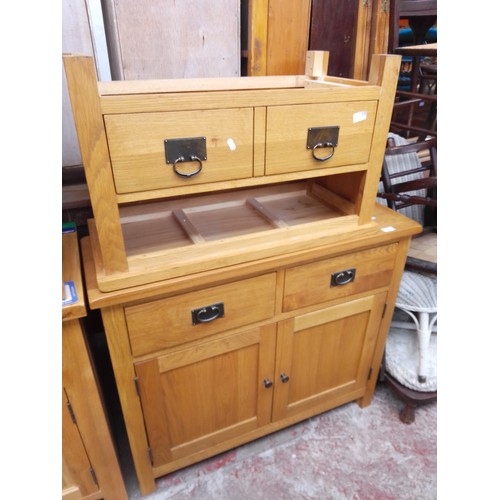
[90, 468]
[245, 275]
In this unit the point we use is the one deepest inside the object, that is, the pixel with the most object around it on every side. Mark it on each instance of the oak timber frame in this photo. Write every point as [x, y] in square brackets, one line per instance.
[92, 101]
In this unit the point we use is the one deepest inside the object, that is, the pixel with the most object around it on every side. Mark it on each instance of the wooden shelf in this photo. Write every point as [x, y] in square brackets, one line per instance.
[197, 220]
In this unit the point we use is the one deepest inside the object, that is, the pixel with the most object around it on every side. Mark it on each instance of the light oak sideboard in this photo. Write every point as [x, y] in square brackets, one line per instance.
[245, 275]
[90, 468]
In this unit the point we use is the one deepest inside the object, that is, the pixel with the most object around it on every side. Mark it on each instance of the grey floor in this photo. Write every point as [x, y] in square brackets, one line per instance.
[345, 453]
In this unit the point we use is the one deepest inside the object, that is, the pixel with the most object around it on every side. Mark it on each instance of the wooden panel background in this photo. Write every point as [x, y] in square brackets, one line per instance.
[287, 37]
[76, 37]
[333, 28]
[168, 39]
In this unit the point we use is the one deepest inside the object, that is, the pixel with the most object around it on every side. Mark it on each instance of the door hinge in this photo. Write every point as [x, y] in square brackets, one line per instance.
[370, 373]
[150, 453]
[71, 412]
[94, 477]
[136, 382]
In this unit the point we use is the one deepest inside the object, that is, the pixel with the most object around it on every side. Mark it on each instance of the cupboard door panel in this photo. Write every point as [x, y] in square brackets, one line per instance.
[77, 480]
[326, 355]
[196, 398]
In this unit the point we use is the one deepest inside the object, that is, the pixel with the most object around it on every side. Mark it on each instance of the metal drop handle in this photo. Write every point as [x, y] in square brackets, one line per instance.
[181, 159]
[343, 277]
[323, 145]
[208, 313]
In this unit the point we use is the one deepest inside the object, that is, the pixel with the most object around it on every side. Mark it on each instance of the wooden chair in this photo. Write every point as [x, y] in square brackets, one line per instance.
[414, 115]
[409, 185]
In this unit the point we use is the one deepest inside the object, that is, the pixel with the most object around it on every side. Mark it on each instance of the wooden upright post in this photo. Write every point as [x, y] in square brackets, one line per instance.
[384, 71]
[84, 95]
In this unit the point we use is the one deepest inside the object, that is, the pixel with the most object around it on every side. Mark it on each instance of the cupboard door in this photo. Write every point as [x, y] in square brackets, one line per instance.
[198, 397]
[77, 481]
[323, 358]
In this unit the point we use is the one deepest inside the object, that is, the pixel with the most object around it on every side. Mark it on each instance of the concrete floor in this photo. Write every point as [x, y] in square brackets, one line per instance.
[345, 453]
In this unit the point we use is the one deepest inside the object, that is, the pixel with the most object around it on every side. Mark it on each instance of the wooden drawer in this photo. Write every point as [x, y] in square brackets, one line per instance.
[137, 149]
[168, 322]
[315, 283]
[287, 131]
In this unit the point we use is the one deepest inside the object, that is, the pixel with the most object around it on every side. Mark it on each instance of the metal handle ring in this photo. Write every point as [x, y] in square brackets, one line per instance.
[344, 277]
[323, 145]
[205, 316]
[190, 174]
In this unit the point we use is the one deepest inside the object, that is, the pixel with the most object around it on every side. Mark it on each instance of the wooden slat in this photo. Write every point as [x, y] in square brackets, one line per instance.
[332, 313]
[207, 351]
[190, 229]
[143, 103]
[287, 36]
[379, 33]
[257, 37]
[362, 49]
[267, 214]
[346, 81]
[171, 85]
[238, 183]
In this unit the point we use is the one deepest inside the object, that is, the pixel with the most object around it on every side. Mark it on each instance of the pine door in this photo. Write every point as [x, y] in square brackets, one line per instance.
[324, 357]
[197, 398]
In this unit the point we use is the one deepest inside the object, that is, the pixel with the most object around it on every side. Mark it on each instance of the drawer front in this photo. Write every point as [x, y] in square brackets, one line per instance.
[168, 322]
[339, 277]
[287, 135]
[137, 149]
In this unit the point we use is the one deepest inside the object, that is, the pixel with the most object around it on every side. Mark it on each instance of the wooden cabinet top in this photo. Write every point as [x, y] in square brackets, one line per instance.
[387, 226]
